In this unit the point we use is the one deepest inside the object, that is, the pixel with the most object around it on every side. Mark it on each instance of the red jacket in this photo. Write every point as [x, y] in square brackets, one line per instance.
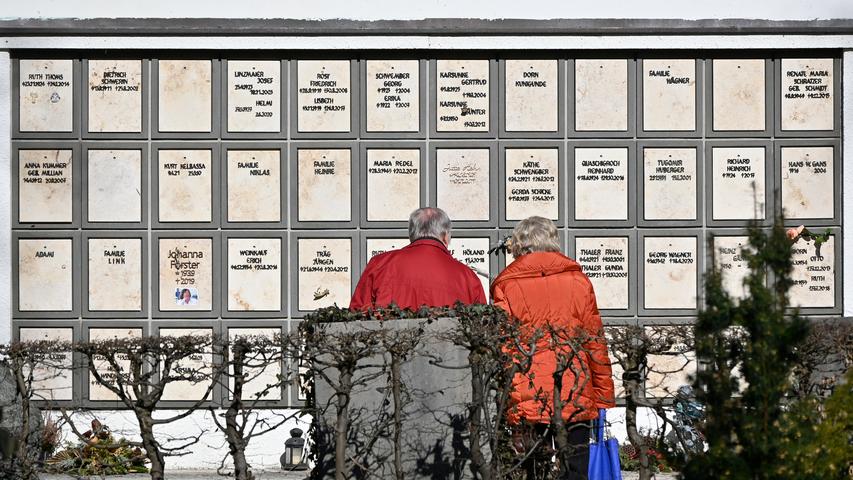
[548, 288]
[421, 273]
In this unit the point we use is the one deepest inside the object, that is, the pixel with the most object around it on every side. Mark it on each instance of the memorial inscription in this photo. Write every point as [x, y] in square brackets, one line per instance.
[186, 274]
[45, 275]
[738, 183]
[728, 258]
[254, 274]
[669, 183]
[46, 96]
[195, 368]
[473, 252]
[813, 275]
[531, 100]
[393, 183]
[807, 94]
[601, 183]
[45, 186]
[98, 392]
[377, 246]
[324, 185]
[54, 380]
[462, 182]
[325, 272]
[670, 272]
[605, 261]
[808, 183]
[254, 96]
[185, 186]
[393, 95]
[531, 176]
[115, 96]
[115, 274]
[254, 185]
[669, 95]
[462, 96]
[323, 96]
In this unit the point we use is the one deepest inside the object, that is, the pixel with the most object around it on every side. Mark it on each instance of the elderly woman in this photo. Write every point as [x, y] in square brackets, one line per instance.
[554, 300]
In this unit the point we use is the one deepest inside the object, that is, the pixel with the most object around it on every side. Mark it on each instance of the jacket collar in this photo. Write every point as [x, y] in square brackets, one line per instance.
[429, 241]
[538, 264]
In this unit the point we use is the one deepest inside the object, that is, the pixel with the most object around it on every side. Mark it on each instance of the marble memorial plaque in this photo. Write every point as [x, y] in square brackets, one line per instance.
[728, 258]
[254, 96]
[254, 186]
[669, 371]
[185, 185]
[739, 94]
[808, 186]
[530, 95]
[669, 183]
[669, 95]
[196, 369]
[325, 272]
[52, 377]
[114, 182]
[601, 183]
[324, 183]
[601, 95]
[258, 378]
[531, 183]
[473, 252]
[324, 96]
[462, 97]
[738, 183]
[45, 186]
[115, 96]
[254, 274]
[186, 274]
[393, 95]
[377, 246]
[813, 275]
[115, 274]
[462, 185]
[46, 99]
[669, 279]
[98, 392]
[184, 96]
[393, 183]
[605, 261]
[45, 275]
[807, 94]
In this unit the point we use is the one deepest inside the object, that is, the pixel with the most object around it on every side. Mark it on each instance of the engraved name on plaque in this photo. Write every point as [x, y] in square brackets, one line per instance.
[185, 89]
[46, 100]
[728, 258]
[738, 183]
[462, 187]
[114, 183]
[194, 370]
[325, 272]
[601, 183]
[669, 279]
[254, 274]
[45, 186]
[605, 261]
[186, 274]
[254, 96]
[45, 275]
[531, 183]
[98, 392]
[473, 252]
[807, 94]
[393, 183]
[531, 100]
[393, 95]
[378, 246]
[323, 96]
[254, 185]
[738, 94]
[462, 96]
[669, 95]
[669, 183]
[115, 96]
[324, 185]
[813, 275]
[601, 95]
[185, 186]
[52, 379]
[258, 378]
[115, 274]
[808, 186]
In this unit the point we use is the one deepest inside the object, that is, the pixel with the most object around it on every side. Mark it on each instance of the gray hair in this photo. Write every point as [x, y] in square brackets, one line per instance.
[534, 234]
[428, 222]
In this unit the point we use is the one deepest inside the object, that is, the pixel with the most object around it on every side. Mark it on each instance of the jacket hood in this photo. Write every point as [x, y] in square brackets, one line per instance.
[537, 264]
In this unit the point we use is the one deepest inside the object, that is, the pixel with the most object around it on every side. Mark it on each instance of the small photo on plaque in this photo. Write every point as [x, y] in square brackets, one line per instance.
[114, 186]
[45, 274]
[393, 183]
[601, 183]
[324, 185]
[254, 96]
[739, 95]
[462, 183]
[115, 274]
[323, 96]
[531, 98]
[738, 183]
[531, 177]
[808, 182]
[185, 92]
[669, 183]
[185, 183]
[670, 273]
[115, 96]
[669, 95]
[605, 261]
[462, 96]
[254, 186]
[807, 94]
[324, 272]
[45, 186]
[254, 274]
[185, 274]
[601, 95]
[393, 95]
[46, 96]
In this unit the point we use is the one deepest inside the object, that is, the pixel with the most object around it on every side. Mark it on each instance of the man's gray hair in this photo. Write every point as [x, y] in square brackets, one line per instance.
[428, 222]
[534, 234]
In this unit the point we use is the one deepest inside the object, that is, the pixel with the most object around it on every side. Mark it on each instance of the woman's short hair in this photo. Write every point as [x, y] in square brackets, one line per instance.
[534, 234]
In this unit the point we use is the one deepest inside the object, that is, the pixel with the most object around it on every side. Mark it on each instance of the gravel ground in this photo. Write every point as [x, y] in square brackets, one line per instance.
[263, 475]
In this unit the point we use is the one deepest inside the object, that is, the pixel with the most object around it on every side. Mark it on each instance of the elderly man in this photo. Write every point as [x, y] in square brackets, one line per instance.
[422, 273]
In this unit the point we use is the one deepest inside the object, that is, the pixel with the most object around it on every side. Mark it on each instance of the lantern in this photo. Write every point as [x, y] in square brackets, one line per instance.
[293, 457]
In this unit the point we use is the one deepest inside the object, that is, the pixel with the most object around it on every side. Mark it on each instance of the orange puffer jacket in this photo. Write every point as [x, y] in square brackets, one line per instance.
[547, 292]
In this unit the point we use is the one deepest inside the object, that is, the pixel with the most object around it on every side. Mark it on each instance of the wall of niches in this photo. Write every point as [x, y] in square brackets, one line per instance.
[235, 195]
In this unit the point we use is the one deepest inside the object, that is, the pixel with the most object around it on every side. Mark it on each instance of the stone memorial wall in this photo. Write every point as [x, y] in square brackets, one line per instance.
[192, 194]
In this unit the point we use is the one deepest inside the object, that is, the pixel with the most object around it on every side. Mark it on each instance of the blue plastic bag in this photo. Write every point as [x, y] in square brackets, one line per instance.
[604, 454]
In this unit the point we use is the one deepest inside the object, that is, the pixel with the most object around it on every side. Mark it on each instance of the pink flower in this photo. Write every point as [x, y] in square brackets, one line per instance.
[794, 233]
